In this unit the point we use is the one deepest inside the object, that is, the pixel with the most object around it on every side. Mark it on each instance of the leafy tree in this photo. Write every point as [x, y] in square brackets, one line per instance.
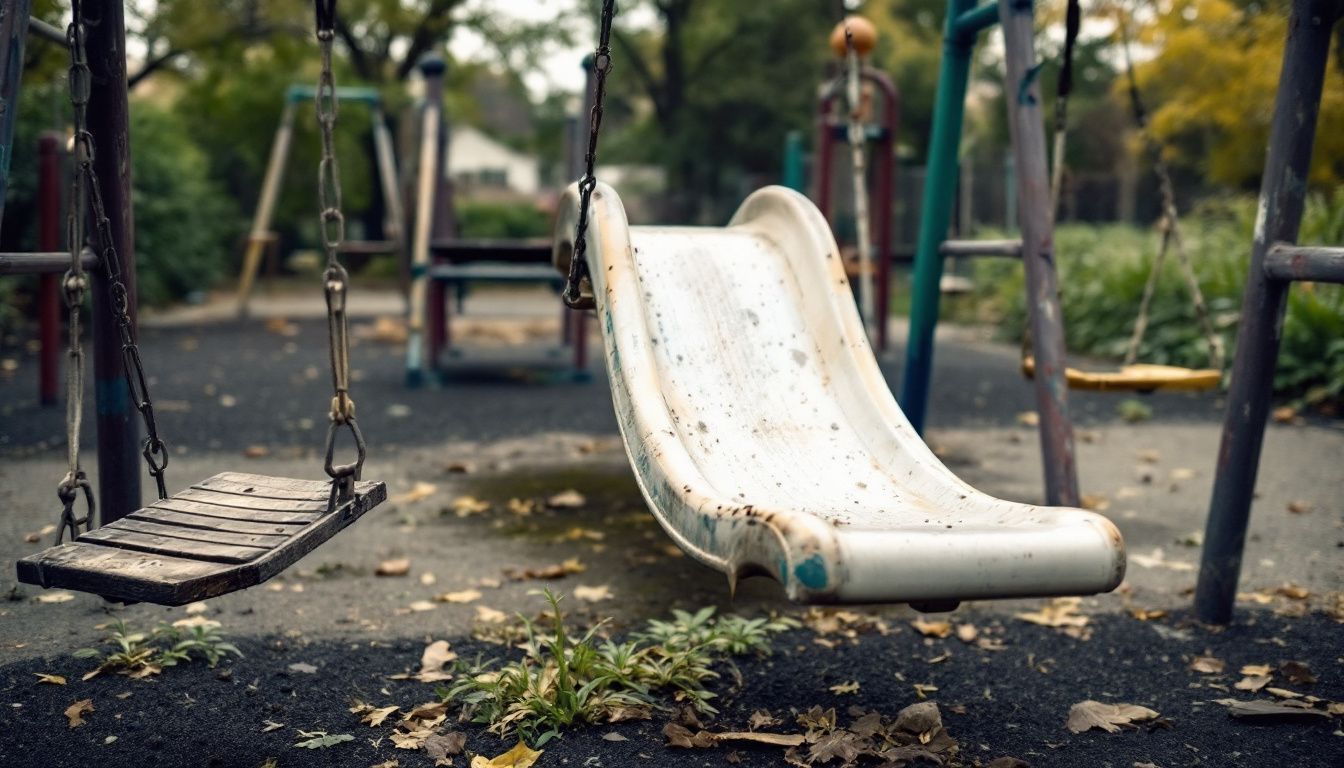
[1211, 87]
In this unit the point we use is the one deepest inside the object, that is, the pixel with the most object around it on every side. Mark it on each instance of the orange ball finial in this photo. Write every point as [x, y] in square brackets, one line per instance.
[865, 36]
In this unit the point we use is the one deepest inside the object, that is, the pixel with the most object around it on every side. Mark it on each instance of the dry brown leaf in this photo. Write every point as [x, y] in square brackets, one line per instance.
[435, 655]
[570, 499]
[375, 717]
[418, 492]
[518, 757]
[463, 596]
[1086, 715]
[256, 452]
[1147, 614]
[1282, 693]
[1297, 672]
[842, 689]
[1299, 507]
[489, 615]
[466, 506]
[55, 597]
[557, 571]
[613, 736]
[932, 628]
[773, 739]
[1267, 709]
[1207, 665]
[1252, 683]
[762, 718]
[1284, 414]
[442, 747]
[1028, 418]
[593, 594]
[1059, 613]
[75, 712]
[396, 567]
[922, 690]
[1294, 592]
[1096, 502]
[681, 736]
[967, 633]
[43, 677]
[1255, 670]
[420, 606]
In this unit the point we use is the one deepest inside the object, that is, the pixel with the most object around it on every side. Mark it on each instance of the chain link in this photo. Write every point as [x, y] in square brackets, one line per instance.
[573, 295]
[335, 279]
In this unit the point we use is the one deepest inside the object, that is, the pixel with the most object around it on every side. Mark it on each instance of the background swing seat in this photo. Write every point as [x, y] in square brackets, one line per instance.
[763, 435]
[226, 533]
[1142, 377]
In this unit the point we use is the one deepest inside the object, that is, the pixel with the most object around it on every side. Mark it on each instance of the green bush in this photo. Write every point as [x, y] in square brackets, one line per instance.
[501, 220]
[185, 224]
[1103, 270]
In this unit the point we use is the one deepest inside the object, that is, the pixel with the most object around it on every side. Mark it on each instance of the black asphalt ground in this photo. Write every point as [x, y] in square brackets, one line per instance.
[223, 388]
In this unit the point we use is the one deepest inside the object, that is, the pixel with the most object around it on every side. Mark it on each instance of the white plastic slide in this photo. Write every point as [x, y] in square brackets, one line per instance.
[764, 437]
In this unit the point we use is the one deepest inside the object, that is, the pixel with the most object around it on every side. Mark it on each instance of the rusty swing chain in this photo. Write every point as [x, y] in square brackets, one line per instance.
[335, 279]
[74, 285]
[578, 262]
[85, 191]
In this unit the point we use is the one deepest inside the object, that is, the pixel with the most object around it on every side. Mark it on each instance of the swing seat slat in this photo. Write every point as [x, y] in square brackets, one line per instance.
[226, 533]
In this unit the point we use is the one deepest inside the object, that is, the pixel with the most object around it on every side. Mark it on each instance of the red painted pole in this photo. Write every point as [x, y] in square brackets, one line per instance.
[48, 294]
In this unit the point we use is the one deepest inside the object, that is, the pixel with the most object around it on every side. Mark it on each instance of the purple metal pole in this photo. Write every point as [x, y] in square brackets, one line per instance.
[1282, 195]
[1027, 128]
[109, 122]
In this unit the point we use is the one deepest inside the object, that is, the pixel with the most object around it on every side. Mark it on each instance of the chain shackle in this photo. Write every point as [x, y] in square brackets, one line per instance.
[69, 492]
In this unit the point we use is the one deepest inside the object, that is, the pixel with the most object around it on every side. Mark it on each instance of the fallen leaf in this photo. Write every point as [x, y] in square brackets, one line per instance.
[375, 717]
[420, 606]
[465, 506]
[464, 596]
[1299, 507]
[922, 690]
[1158, 559]
[1255, 670]
[1294, 592]
[1147, 614]
[570, 499]
[198, 607]
[1089, 714]
[1283, 693]
[282, 327]
[762, 718]
[55, 597]
[1297, 672]
[1095, 501]
[1150, 456]
[303, 668]
[396, 567]
[593, 594]
[613, 736]
[1252, 683]
[436, 654]
[773, 739]
[75, 712]
[1180, 474]
[967, 633]
[442, 746]
[932, 628]
[518, 757]
[1266, 709]
[42, 677]
[1059, 613]
[681, 736]
[490, 615]
[1028, 418]
[271, 725]
[1284, 414]
[419, 492]
[256, 452]
[321, 739]
[845, 688]
[1207, 665]
[428, 579]
[557, 571]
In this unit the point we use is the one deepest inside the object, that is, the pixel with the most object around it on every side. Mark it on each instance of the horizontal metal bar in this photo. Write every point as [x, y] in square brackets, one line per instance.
[48, 32]
[42, 263]
[1306, 263]
[1009, 248]
[344, 93]
[972, 22]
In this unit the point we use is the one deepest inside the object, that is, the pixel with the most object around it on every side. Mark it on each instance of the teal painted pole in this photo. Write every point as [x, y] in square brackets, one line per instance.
[940, 181]
[793, 161]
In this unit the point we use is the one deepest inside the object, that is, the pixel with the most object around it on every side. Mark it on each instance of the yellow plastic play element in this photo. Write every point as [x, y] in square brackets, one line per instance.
[865, 36]
[1138, 378]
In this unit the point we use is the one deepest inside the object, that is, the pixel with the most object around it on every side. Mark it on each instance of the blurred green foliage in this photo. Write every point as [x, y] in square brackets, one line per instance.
[478, 219]
[1102, 273]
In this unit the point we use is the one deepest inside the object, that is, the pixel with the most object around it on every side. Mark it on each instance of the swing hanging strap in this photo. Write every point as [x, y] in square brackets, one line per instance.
[335, 279]
[574, 296]
[1169, 224]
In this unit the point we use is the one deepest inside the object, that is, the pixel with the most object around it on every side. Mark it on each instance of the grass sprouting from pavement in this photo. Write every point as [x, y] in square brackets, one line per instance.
[563, 680]
[141, 654]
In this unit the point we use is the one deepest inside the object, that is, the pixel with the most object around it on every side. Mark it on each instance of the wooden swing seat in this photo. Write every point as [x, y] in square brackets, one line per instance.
[226, 533]
[1141, 377]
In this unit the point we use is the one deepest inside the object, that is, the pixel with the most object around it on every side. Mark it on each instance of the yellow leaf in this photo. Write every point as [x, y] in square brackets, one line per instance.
[465, 596]
[932, 628]
[75, 712]
[49, 679]
[845, 688]
[418, 492]
[593, 594]
[490, 615]
[376, 717]
[518, 757]
[396, 567]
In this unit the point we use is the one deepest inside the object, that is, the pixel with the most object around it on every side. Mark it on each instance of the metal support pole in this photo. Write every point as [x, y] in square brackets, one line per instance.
[118, 425]
[884, 160]
[437, 208]
[1036, 219]
[13, 34]
[1282, 193]
[260, 236]
[48, 292]
[936, 211]
[432, 68]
